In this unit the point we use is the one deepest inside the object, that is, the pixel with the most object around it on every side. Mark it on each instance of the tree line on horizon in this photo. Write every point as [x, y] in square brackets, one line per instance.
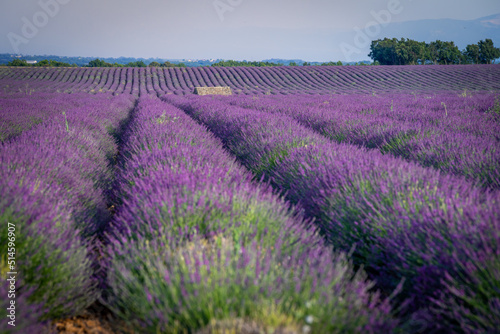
[233, 63]
[93, 63]
[139, 63]
[42, 63]
[385, 51]
[389, 51]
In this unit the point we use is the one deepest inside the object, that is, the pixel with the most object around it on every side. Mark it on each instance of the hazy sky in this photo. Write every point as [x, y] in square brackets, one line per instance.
[203, 29]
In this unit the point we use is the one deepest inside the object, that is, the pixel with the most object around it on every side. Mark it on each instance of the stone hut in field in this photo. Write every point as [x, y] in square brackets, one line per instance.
[213, 90]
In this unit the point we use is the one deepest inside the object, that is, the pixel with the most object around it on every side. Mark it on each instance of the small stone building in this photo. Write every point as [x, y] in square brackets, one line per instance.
[213, 90]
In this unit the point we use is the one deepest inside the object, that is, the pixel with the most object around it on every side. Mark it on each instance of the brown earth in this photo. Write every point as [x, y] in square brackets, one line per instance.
[96, 320]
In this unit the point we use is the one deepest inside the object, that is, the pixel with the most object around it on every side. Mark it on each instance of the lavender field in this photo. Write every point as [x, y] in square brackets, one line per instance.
[285, 80]
[313, 200]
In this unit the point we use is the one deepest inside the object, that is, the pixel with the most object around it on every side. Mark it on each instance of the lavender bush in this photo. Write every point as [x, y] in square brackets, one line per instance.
[405, 220]
[182, 257]
[206, 192]
[49, 251]
[53, 180]
[164, 289]
[471, 300]
[454, 133]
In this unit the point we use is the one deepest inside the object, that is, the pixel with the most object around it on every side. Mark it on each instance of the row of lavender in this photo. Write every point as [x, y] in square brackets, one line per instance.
[438, 232]
[57, 183]
[455, 133]
[197, 246]
[53, 182]
[20, 112]
[276, 80]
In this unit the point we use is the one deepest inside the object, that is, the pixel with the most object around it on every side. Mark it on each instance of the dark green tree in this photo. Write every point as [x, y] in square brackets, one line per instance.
[56, 63]
[17, 62]
[138, 63]
[384, 51]
[332, 63]
[471, 54]
[487, 51]
[99, 63]
[44, 63]
[411, 52]
[444, 53]
[414, 52]
[168, 64]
